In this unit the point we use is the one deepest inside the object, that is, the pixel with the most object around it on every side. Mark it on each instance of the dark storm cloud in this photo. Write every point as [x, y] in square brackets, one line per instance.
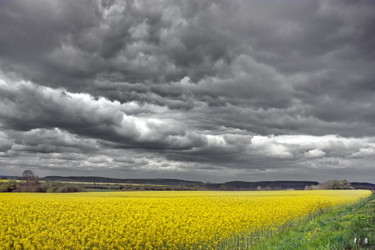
[51, 141]
[126, 40]
[25, 106]
[250, 89]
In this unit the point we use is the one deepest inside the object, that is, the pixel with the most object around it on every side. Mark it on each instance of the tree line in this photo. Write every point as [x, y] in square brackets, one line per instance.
[30, 183]
[332, 184]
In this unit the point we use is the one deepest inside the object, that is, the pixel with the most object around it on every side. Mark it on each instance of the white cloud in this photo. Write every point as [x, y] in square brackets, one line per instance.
[364, 152]
[314, 153]
[266, 146]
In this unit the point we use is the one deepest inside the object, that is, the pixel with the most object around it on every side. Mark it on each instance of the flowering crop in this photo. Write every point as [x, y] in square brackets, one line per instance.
[152, 220]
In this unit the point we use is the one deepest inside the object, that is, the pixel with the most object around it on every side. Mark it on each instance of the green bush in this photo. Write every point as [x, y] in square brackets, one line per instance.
[8, 186]
[70, 189]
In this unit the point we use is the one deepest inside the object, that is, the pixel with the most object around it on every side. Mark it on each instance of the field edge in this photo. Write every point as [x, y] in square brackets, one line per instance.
[345, 227]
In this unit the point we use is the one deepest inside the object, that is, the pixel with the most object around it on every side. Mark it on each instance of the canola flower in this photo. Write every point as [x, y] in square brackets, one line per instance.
[152, 220]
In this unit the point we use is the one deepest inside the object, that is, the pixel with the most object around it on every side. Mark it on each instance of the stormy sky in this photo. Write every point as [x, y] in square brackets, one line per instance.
[208, 90]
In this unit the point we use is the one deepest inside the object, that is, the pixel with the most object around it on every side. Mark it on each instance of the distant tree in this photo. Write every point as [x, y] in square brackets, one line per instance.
[259, 188]
[71, 189]
[31, 181]
[338, 184]
[29, 176]
[346, 185]
[333, 184]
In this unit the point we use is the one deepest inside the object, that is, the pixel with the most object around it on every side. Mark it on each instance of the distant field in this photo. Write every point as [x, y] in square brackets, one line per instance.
[5, 180]
[91, 183]
[108, 183]
[110, 186]
[147, 220]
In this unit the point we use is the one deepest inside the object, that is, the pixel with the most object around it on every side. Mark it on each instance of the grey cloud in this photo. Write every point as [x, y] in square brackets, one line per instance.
[31, 31]
[50, 141]
[127, 40]
[34, 113]
[25, 106]
[187, 88]
[155, 42]
[5, 143]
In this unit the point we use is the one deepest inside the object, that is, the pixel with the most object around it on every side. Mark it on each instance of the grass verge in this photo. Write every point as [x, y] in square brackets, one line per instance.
[341, 228]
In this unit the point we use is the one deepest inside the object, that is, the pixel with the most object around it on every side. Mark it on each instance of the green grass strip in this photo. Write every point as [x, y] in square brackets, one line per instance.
[341, 228]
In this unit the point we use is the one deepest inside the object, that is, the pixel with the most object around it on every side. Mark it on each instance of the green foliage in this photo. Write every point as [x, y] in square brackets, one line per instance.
[333, 184]
[71, 189]
[58, 187]
[52, 187]
[8, 186]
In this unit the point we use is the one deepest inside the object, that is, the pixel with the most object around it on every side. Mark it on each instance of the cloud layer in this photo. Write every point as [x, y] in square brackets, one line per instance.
[208, 90]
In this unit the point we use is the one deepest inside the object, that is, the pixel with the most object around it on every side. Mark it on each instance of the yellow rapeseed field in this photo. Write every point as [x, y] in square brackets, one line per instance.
[152, 220]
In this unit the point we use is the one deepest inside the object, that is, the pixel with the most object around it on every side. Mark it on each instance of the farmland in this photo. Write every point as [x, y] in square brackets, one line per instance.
[162, 220]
